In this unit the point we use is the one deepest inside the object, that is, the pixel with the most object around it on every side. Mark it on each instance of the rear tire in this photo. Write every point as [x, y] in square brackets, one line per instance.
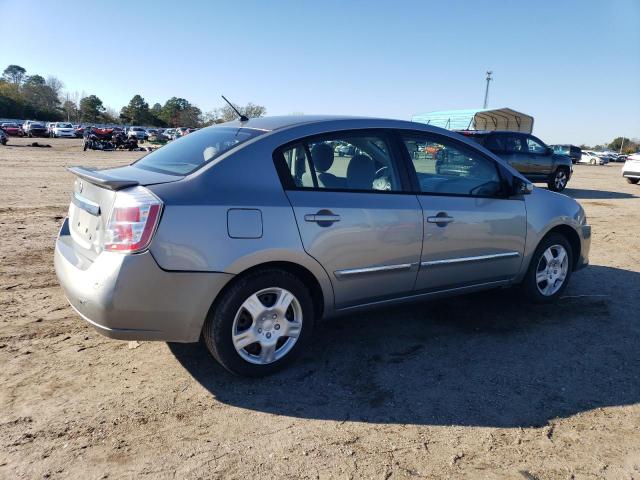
[549, 272]
[267, 325]
[559, 179]
[633, 180]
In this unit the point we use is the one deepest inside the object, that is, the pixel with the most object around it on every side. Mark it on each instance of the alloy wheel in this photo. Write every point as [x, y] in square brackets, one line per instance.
[560, 180]
[267, 326]
[552, 270]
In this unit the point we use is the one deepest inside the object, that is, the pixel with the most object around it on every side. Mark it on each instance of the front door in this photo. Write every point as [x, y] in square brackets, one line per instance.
[473, 233]
[354, 215]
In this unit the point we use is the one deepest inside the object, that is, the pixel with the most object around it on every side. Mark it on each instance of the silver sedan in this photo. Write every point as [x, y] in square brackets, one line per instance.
[247, 233]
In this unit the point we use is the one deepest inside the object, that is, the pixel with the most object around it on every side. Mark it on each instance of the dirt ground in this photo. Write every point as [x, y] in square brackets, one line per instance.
[482, 386]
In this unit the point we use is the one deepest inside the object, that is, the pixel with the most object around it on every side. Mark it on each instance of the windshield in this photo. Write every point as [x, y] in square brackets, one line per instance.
[64, 125]
[191, 152]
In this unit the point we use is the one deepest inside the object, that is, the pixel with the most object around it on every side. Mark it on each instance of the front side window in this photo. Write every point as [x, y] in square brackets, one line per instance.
[340, 161]
[449, 168]
[535, 146]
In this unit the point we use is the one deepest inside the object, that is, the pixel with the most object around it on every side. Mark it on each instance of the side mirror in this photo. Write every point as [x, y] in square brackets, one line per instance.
[549, 151]
[521, 187]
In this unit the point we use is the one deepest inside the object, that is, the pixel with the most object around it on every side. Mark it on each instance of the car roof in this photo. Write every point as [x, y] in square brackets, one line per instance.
[285, 121]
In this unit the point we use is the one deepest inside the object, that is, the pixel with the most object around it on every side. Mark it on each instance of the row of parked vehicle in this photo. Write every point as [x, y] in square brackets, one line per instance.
[590, 157]
[34, 128]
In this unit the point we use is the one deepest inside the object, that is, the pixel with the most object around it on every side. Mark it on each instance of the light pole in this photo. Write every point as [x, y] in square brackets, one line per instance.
[486, 92]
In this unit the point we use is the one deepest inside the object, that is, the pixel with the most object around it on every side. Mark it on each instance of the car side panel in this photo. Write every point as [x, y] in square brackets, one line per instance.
[547, 210]
[193, 234]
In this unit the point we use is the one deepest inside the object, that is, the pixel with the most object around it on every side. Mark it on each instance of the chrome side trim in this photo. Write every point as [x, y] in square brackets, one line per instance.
[479, 258]
[86, 205]
[362, 271]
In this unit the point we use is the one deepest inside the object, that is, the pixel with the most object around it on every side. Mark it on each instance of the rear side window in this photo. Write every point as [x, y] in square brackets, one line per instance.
[340, 161]
[191, 152]
[513, 143]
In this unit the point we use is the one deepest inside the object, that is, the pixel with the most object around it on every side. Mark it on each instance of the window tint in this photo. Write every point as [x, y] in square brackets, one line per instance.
[343, 162]
[446, 167]
[535, 146]
[189, 153]
[496, 143]
[513, 143]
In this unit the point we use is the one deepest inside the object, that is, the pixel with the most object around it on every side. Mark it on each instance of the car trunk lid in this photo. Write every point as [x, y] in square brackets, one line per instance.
[93, 198]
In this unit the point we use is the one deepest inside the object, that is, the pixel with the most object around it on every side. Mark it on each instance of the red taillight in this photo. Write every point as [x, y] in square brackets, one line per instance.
[133, 220]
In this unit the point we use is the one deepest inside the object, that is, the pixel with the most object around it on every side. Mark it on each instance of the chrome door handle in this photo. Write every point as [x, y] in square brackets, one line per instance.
[323, 218]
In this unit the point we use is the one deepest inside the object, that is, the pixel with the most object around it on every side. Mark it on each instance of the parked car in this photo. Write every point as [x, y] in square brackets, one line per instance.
[631, 168]
[3, 137]
[12, 129]
[33, 128]
[138, 132]
[170, 133]
[569, 150]
[181, 131]
[63, 129]
[527, 154]
[592, 158]
[247, 233]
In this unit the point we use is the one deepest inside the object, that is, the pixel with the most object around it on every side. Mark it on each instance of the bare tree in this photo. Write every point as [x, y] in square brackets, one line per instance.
[226, 113]
[54, 84]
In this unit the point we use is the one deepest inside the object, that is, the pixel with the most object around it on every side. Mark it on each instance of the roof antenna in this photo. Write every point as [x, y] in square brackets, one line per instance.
[243, 118]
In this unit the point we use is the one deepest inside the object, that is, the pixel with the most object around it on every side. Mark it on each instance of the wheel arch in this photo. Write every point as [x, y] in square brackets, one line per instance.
[301, 272]
[572, 237]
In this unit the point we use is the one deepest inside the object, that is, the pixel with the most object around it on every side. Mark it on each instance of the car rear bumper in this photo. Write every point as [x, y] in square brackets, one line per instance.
[129, 297]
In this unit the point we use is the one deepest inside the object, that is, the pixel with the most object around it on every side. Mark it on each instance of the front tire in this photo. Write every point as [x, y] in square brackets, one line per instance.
[260, 324]
[558, 180]
[550, 270]
[633, 180]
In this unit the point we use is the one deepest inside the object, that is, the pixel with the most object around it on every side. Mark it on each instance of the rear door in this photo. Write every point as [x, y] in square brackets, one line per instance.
[473, 233]
[512, 147]
[540, 159]
[354, 214]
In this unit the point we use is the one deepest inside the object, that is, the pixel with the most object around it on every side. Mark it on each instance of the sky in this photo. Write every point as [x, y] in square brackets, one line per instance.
[573, 65]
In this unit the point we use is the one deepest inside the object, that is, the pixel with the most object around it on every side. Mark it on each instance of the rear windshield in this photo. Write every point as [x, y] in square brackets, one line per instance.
[191, 152]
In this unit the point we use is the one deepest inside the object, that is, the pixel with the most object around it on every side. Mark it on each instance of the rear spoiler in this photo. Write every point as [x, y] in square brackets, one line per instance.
[102, 179]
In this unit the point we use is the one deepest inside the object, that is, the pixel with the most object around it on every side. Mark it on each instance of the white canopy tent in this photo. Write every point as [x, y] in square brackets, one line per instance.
[478, 119]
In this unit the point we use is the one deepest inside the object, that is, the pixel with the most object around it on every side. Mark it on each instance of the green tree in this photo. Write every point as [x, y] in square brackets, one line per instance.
[137, 112]
[178, 112]
[14, 74]
[40, 96]
[91, 109]
[620, 142]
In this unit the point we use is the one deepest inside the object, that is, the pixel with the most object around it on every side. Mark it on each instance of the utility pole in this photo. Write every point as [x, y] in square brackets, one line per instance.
[486, 92]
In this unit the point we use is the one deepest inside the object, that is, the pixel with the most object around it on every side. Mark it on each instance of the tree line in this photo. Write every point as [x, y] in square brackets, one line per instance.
[34, 97]
[619, 144]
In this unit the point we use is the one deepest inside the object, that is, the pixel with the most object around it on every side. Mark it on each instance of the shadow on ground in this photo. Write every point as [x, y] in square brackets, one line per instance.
[481, 360]
[586, 194]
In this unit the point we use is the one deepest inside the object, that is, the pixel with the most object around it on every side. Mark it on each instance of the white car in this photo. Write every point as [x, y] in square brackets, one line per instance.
[63, 129]
[631, 168]
[592, 158]
[137, 132]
